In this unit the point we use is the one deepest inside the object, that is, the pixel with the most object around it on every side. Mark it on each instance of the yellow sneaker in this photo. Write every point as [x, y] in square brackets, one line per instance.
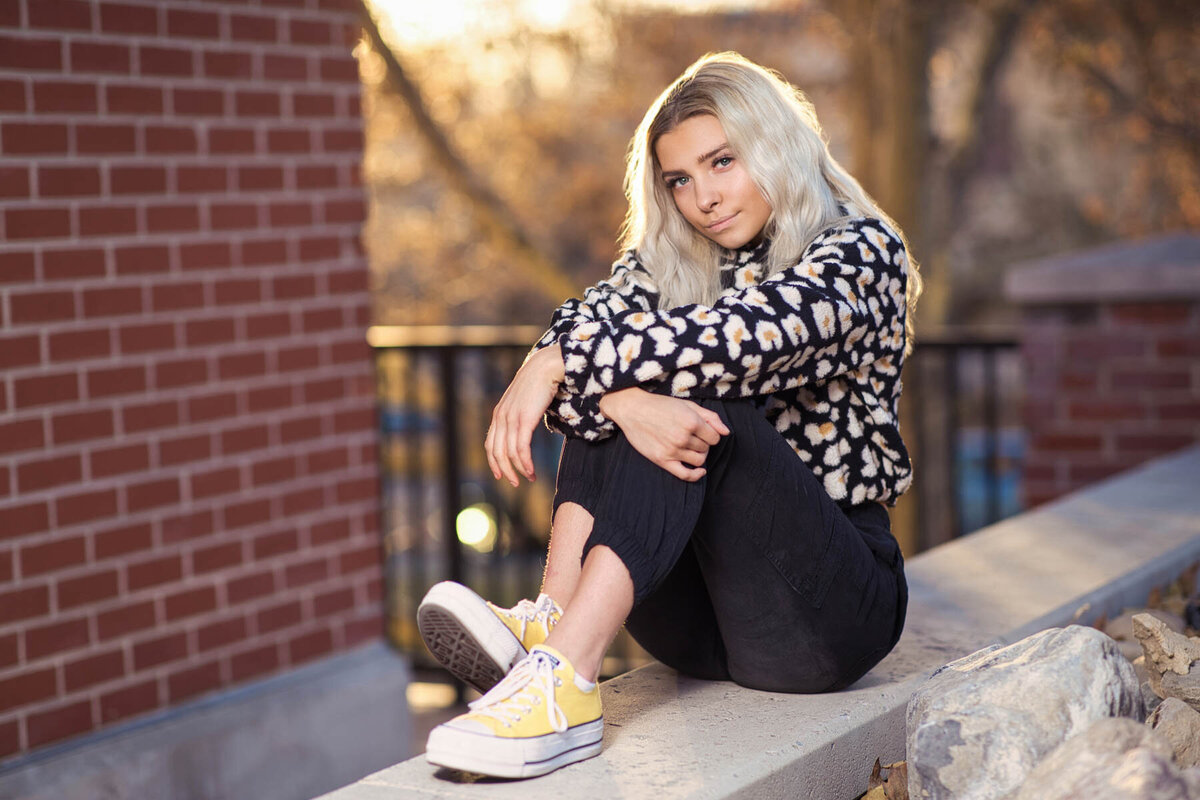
[477, 641]
[542, 716]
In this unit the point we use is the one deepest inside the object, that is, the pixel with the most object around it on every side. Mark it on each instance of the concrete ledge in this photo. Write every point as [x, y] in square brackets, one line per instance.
[673, 737]
[283, 738]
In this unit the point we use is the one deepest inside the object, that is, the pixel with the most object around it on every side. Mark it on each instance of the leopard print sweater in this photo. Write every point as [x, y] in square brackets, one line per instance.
[819, 346]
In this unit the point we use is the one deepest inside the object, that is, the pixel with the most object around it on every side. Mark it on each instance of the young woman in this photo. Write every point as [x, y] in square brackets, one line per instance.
[729, 397]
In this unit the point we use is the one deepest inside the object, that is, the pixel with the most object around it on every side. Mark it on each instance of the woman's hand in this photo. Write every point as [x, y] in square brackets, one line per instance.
[671, 432]
[519, 411]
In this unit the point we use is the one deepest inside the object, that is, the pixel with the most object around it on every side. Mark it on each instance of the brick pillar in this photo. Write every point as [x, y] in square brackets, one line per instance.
[1111, 349]
[188, 484]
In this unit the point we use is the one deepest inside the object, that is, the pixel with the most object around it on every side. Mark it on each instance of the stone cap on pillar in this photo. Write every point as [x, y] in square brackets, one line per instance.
[1151, 269]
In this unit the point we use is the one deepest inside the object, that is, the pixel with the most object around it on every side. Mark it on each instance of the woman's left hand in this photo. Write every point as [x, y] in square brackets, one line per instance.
[519, 412]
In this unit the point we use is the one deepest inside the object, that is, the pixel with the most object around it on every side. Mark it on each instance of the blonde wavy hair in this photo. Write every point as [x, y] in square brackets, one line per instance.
[772, 127]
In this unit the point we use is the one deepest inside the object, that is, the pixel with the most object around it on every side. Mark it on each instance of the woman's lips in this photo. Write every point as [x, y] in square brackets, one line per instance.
[722, 223]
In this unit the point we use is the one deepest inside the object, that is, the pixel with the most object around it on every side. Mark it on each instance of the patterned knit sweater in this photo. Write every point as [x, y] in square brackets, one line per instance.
[819, 346]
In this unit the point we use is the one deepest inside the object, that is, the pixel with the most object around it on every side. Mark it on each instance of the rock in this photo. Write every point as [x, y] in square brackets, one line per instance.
[980, 724]
[1169, 658]
[1179, 724]
[1150, 700]
[1114, 759]
[1121, 628]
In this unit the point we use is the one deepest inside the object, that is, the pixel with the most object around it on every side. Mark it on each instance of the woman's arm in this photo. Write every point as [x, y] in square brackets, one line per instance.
[842, 307]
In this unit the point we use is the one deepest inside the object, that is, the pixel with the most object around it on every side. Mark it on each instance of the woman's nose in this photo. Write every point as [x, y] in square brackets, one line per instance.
[707, 196]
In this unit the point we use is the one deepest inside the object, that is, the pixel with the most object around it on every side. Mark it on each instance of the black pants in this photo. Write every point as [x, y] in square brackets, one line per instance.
[752, 573]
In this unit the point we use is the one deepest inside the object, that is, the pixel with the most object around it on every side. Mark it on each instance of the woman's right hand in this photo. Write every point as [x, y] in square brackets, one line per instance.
[671, 432]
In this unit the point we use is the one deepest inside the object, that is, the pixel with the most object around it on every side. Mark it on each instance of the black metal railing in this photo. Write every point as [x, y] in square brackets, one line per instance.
[446, 518]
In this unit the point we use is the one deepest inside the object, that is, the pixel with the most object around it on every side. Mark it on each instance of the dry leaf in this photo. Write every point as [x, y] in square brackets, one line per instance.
[875, 780]
[896, 787]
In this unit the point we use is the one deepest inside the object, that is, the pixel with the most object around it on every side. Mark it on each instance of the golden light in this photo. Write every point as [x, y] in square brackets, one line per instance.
[476, 527]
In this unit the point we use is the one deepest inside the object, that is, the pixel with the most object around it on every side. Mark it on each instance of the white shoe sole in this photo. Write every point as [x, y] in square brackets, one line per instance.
[466, 636]
[513, 758]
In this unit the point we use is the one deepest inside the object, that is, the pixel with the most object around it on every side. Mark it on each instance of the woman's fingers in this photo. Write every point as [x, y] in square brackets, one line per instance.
[683, 472]
[488, 445]
[715, 425]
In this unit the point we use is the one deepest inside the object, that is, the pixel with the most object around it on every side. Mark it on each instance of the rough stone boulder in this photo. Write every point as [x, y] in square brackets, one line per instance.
[980, 724]
[1114, 759]
[1170, 660]
[1179, 724]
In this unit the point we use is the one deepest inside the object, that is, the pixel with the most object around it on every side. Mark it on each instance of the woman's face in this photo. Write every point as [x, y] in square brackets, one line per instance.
[711, 188]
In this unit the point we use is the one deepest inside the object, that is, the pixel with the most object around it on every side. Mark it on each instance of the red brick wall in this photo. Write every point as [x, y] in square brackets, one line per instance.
[1109, 385]
[188, 486]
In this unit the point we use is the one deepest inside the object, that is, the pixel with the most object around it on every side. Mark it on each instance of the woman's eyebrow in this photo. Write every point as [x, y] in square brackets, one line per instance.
[700, 160]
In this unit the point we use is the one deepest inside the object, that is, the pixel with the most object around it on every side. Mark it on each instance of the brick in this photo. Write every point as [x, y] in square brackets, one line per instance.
[41, 390]
[33, 138]
[92, 670]
[182, 372]
[357, 490]
[285, 68]
[148, 416]
[183, 23]
[177, 296]
[153, 572]
[246, 587]
[10, 738]
[362, 630]
[254, 663]
[241, 440]
[362, 558]
[160, 650]
[308, 646]
[7, 571]
[142, 259]
[328, 460]
[323, 390]
[1174, 346]
[116, 381]
[227, 141]
[112, 302]
[343, 70]
[129, 701]
[138, 180]
[85, 507]
[273, 470]
[233, 216]
[47, 473]
[24, 603]
[289, 141]
[256, 104]
[332, 602]
[105, 139]
[283, 215]
[107, 220]
[353, 351]
[182, 527]
[123, 540]
[283, 615]
[39, 559]
[192, 681]
[73, 263]
[220, 634]
[205, 255]
[1086, 410]
[25, 434]
[1066, 442]
[125, 620]
[228, 64]
[231, 292]
[1154, 442]
[81, 426]
[322, 248]
[328, 532]
[118, 460]
[12, 96]
[172, 218]
[9, 652]
[152, 494]
[301, 501]
[65, 97]
[133, 99]
[1185, 410]
[306, 572]
[37, 223]
[171, 139]
[1160, 378]
[68, 181]
[241, 365]
[190, 602]
[147, 338]
[100, 57]
[313, 104]
[14, 182]
[45, 640]
[258, 178]
[309, 31]
[184, 449]
[264, 252]
[86, 589]
[293, 287]
[60, 14]
[1167, 313]
[30, 53]
[166, 61]
[270, 398]
[246, 513]
[202, 179]
[46, 306]
[317, 177]
[343, 140]
[58, 723]
[217, 557]
[127, 18]
[215, 482]
[213, 406]
[244, 27]
[268, 326]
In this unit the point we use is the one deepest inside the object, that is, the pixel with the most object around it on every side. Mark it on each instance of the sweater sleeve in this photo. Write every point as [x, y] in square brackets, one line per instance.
[628, 288]
[839, 309]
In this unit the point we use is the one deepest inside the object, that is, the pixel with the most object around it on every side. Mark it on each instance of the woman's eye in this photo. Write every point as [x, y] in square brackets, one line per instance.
[723, 161]
[675, 183]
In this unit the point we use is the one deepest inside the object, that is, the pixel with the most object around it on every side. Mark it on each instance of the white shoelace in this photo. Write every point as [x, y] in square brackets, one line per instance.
[518, 693]
[528, 611]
